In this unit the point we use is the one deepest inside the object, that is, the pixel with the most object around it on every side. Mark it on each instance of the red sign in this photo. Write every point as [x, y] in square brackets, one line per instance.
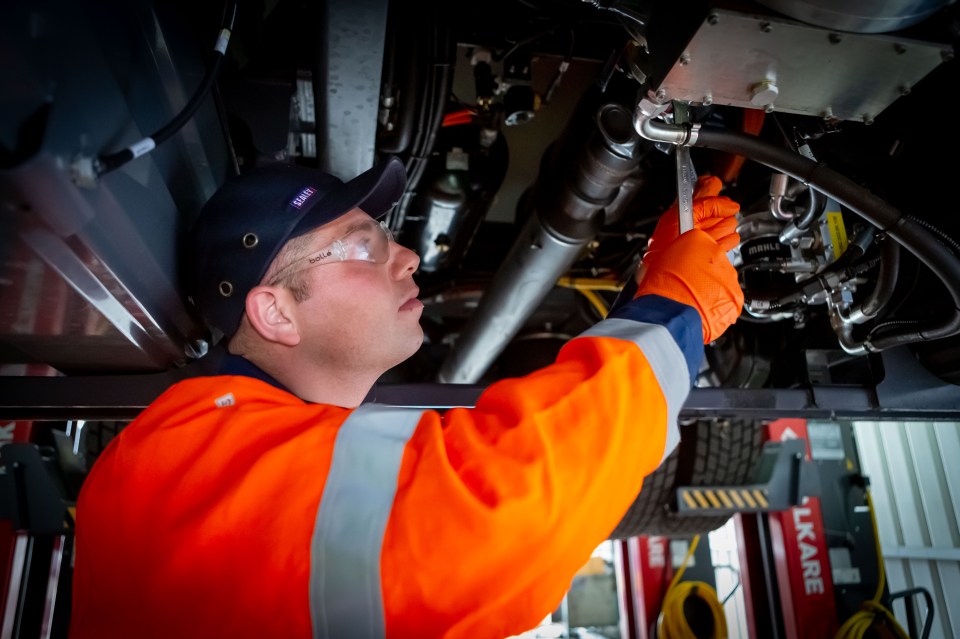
[801, 558]
[649, 572]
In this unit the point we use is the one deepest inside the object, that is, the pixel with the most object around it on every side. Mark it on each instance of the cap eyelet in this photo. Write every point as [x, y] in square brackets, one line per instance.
[250, 240]
[226, 288]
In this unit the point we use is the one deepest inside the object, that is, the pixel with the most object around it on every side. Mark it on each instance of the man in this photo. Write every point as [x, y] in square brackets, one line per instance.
[270, 501]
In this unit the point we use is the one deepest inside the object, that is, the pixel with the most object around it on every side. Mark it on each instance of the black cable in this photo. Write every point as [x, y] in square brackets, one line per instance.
[723, 602]
[879, 298]
[431, 117]
[951, 243]
[499, 57]
[112, 161]
[911, 235]
[561, 69]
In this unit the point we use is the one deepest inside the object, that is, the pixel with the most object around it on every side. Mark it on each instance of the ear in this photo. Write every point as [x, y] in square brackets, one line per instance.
[269, 312]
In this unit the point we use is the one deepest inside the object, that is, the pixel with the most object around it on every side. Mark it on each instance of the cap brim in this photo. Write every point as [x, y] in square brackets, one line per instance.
[375, 191]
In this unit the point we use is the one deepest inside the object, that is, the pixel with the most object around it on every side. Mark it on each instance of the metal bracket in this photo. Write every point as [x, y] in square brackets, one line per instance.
[782, 478]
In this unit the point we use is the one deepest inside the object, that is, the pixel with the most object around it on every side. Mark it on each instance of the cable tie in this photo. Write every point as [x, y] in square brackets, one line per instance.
[142, 147]
[222, 41]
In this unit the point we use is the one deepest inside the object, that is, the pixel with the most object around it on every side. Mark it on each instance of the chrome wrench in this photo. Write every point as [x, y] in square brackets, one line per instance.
[686, 174]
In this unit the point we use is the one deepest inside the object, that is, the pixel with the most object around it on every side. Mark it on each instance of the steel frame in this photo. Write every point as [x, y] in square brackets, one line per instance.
[907, 392]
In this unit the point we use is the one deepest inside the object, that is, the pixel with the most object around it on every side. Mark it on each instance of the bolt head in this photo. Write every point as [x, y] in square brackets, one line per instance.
[713, 19]
[764, 93]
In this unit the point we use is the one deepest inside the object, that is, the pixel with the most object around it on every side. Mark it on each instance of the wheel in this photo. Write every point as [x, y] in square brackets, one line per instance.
[711, 453]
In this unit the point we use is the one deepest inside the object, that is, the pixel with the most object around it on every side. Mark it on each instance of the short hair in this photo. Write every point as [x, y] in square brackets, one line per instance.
[296, 282]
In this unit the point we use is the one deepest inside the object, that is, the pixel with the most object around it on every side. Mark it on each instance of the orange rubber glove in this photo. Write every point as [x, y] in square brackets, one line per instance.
[694, 270]
[712, 213]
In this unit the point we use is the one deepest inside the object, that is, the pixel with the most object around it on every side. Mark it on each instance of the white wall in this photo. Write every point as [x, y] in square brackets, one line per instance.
[914, 472]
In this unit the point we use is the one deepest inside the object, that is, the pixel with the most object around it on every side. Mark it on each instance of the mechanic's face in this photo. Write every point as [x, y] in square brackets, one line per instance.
[361, 315]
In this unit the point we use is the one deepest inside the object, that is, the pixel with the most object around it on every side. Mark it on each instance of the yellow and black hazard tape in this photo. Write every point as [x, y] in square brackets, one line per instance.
[727, 499]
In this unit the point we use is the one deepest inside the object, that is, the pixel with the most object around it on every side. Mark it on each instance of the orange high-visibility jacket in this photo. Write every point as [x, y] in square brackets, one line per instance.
[231, 508]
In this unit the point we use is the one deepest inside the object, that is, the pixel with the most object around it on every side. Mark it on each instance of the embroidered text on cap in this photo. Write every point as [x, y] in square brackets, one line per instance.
[302, 197]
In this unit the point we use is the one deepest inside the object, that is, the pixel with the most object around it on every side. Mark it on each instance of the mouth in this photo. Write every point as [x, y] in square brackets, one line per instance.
[412, 303]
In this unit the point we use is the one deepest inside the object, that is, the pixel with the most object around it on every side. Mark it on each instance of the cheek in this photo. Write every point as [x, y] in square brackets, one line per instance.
[349, 300]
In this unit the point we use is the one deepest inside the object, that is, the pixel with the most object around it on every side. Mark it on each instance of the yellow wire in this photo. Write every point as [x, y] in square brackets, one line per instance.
[595, 300]
[672, 623]
[872, 613]
[587, 287]
[592, 283]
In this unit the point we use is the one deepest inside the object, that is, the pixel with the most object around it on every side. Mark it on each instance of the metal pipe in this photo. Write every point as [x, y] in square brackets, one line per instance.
[844, 331]
[911, 235]
[535, 262]
[778, 193]
[646, 124]
[567, 215]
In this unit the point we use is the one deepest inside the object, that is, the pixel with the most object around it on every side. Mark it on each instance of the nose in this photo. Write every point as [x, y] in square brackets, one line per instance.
[405, 262]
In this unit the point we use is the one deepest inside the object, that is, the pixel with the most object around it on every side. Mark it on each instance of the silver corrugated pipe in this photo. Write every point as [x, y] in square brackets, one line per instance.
[562, 223]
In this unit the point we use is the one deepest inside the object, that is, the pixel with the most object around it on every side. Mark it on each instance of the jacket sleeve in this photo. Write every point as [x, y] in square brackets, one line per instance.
[498, 506]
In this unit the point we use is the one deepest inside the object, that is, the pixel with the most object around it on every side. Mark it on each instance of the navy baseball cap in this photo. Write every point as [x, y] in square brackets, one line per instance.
[247, 221]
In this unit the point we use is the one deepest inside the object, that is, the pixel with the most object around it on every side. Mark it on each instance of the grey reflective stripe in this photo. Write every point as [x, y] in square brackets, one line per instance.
[345, 594]
[666, 360]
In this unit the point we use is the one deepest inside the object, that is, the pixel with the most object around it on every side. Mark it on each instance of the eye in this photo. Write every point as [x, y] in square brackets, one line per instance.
[363, 247]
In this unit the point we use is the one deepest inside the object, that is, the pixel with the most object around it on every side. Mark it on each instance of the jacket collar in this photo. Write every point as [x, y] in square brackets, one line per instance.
[239, 365]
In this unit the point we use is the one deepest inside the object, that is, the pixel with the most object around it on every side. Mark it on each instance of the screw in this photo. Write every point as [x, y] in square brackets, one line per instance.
[766, 27]
[946, 56]
[707, 100]
[835, 38]
[827, 114]
[713, 19]
[899, 48]
[661, 94]
[685, 59]
[905, 89]
[768, 108]
[196, 350]
[867, 120]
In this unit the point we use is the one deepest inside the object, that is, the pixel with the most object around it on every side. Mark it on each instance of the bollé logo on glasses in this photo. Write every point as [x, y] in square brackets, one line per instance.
[320, 257]
[302, 197]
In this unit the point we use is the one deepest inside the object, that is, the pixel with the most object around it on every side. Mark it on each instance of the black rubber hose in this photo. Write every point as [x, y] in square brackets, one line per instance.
[113, 161]
[885, 217]
[397, 141]
[946, 239]
[878, 299]
[440, 82]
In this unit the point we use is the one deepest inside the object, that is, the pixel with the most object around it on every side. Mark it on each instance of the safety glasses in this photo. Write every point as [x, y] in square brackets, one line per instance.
[369, 241]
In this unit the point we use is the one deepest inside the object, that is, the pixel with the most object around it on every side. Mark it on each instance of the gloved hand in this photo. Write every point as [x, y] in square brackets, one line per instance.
[712, 213]
[694, 270]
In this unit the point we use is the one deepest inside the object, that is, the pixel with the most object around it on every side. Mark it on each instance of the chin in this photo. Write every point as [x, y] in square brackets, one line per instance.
[410, 347]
